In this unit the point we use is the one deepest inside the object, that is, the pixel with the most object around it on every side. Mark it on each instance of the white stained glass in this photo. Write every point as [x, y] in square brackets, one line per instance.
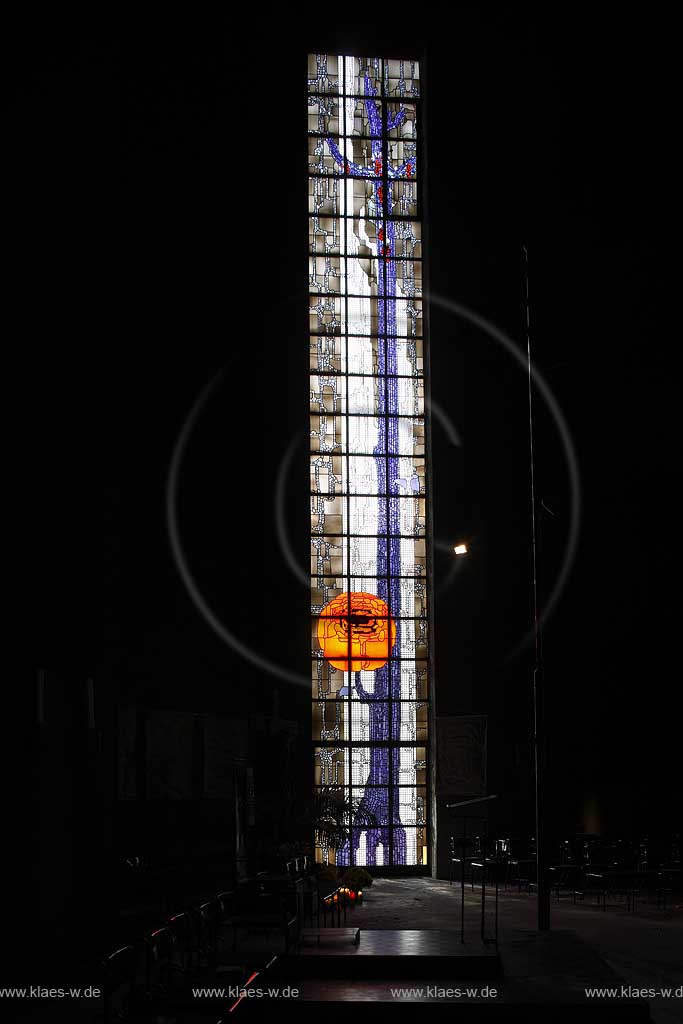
[363, 516]
[409, 723]
[406, 769]
[411, 846]
[407, 805]
[367, 681]
[362, 355]
[413, 595]
[363, 556]
[411, 684]
[363, 432]
[362, 472]
[362, 318]
[407, 586]
[409, 402]
[409, 514]
[410, 477]
[362, 398]
[360, 765]
[360, 717]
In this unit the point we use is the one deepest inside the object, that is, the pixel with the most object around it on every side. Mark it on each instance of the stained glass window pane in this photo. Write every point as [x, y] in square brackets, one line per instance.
[321, 159]
[323, 115]
[330, 721]
[326, 354]
[323, 72]
[327, 198]
[331, 766]
[401, 120]
[363, 76]
[327, 680]
[362, 122]
[368, 555]
[405, 200]
[407, 237]
[401, 78]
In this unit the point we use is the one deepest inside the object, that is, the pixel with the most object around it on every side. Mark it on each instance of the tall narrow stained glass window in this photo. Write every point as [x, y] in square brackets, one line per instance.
[369, 543]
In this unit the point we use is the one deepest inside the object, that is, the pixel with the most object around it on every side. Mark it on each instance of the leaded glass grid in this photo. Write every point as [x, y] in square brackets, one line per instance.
[368, 478]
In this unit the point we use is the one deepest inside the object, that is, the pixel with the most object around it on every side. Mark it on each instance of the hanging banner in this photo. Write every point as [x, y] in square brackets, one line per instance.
[461, 755]
[170, 740]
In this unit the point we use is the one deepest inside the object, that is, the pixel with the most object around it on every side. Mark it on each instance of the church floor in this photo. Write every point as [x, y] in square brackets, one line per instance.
[644, 948]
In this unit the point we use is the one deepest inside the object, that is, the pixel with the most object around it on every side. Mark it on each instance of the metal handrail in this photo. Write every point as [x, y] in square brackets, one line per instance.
[476, 817]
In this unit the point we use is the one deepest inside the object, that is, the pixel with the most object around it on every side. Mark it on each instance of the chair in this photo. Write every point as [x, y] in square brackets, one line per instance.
[225, 901]
[661, 894]
[160, 962]
[521, 865]
[209, 913]
[265, 912]
[596, 883]
[458, 855]
[119, 975]
[481, 860]
[311, 896]
[185, 928]
[565, 876]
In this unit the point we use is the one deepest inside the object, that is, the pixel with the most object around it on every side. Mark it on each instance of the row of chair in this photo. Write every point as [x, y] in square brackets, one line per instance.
[494, 860]
[191, 946]
[154, 969]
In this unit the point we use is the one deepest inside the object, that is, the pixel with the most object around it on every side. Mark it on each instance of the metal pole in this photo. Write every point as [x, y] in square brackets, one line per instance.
[542, 887]
[496, 912]
[485, 831]
[462, 881]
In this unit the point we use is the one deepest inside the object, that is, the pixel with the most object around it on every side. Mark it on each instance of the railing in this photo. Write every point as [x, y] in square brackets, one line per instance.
[465, 859]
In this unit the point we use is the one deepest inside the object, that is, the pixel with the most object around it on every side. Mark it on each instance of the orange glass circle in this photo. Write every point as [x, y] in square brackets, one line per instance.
[356, 628]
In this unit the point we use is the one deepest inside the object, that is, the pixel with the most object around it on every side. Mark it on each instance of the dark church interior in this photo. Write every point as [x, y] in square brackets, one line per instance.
[168, 841]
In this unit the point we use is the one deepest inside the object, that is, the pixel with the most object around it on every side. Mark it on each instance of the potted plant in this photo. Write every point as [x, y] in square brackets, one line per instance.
[329, 818]
[357, 879]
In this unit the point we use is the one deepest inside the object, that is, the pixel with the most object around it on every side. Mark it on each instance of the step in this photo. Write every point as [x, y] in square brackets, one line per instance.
[337, 953]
